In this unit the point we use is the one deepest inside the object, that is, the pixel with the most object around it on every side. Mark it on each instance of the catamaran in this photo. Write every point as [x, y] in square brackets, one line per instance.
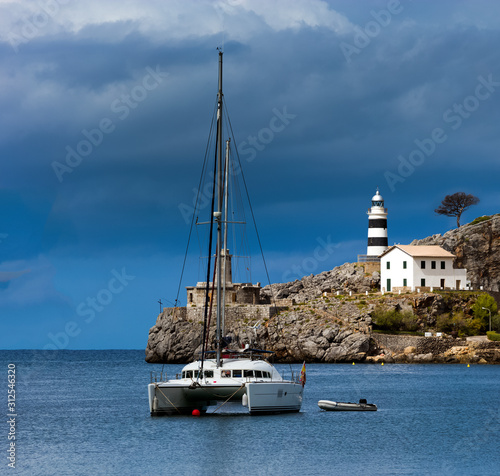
[225, 374]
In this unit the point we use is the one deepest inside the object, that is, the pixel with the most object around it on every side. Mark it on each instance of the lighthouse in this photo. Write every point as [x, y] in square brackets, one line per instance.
[377, 226]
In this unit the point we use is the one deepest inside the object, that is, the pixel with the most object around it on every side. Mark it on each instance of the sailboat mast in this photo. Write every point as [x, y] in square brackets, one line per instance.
[220, 197]
[224, 246]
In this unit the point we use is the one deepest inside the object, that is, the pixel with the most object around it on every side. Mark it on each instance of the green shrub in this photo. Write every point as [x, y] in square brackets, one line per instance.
[483, 315]
[458, 322]
[444, 323]
[409, 321]
[392, 320]
[493, 335]
[479, 220]
[495, 322]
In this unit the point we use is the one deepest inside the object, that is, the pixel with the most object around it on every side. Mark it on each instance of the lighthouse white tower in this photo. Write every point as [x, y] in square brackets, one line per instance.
[377, 226]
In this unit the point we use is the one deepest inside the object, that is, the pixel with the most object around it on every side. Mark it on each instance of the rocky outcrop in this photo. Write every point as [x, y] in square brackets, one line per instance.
[311, 334]
[477, 248]
[444, 350]
[350, 277]
[173, 338]
[327, 329]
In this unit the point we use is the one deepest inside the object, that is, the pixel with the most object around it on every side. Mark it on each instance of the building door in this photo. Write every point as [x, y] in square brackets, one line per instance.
[388, 285]
[442, 283]
[458, 284]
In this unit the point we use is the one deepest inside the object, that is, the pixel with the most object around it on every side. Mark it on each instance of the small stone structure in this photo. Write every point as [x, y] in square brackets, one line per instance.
[236, 293]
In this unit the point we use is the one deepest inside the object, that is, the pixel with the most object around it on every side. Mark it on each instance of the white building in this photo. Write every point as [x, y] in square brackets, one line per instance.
[407, 268]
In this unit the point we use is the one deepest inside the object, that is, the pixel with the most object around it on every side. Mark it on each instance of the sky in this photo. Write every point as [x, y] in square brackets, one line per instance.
[105, 110]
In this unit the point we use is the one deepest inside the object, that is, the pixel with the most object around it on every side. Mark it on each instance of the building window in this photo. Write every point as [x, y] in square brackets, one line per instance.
[422, 282]
[443, 264]
[405, 282]
[404, 264]
[388, 265]
[422, 264]
[433, 265]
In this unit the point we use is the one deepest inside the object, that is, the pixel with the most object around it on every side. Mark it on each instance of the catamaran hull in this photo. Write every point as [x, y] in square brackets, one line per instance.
[175, 400]
[274, 397]
[260, 397]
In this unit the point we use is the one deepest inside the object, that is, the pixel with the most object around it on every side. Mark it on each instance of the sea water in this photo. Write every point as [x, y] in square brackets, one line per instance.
[86, 413]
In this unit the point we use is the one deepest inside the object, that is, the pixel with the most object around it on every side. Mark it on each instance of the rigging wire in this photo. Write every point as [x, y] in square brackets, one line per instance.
[251, 209]
[237, 218]
[209, 141]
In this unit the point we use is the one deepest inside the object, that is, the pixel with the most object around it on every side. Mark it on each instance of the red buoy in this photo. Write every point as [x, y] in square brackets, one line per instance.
[195, 412]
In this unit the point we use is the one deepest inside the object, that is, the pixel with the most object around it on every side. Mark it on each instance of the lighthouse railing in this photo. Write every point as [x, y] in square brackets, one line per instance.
[368, 259]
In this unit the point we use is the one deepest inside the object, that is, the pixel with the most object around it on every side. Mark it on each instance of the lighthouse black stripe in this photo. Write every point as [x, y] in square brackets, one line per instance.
[377, 223]
[377, 241]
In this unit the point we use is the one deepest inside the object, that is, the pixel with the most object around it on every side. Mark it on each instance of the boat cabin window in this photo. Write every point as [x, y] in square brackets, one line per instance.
[258, 373]
[248, 373]
[225, 373]
[187, 374]
[237, 373]
[209, 374]
[196, 374]
[266, 374]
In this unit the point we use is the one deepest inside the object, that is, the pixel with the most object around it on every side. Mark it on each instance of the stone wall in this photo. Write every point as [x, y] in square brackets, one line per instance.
[396, 343]
[371, 266]
[233, 313]
[236, 293]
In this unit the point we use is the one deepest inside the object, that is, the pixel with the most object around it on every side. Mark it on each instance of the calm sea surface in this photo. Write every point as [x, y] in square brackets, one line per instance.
[86, 413]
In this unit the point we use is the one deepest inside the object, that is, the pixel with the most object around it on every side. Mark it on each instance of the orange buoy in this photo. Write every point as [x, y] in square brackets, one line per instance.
[195, 412]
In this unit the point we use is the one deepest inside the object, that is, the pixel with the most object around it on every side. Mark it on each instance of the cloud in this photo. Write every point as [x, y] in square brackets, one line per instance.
[30, 282]
[295, 14]
[6, 276]
[160, 20]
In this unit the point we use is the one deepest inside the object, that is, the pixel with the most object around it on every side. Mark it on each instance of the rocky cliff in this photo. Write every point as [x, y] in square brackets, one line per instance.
[328, 317]
[477, 248]
[313, 333]
[328, 329]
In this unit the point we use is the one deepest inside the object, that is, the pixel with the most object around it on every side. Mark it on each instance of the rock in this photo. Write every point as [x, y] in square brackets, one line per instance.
[400, 358]
[410, 350]
[424, 358]
[345, 278]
